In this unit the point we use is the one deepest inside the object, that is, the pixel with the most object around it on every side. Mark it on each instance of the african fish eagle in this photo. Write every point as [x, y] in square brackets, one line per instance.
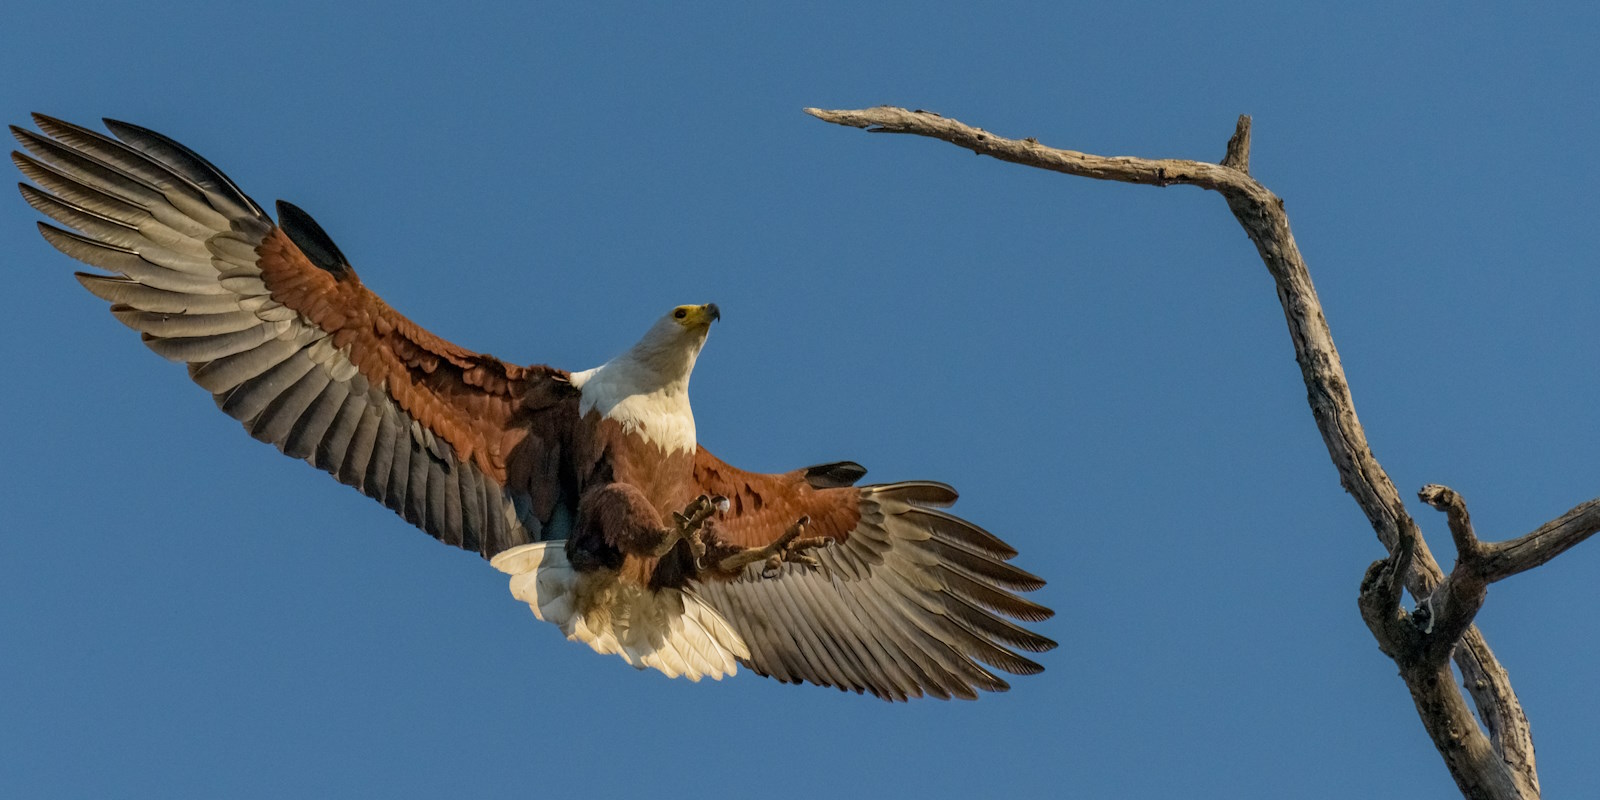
[588, 488]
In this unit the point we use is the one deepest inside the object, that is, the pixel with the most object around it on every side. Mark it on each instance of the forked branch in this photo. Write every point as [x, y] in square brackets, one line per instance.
[1456, 601]
[1497, 765]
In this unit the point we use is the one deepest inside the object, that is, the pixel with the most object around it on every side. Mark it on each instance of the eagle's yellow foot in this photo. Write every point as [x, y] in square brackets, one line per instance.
[791, 546]
[688, 524]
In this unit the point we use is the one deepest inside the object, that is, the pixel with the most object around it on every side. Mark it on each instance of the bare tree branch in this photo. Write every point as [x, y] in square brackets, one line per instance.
[1469, 755]
[1238, 155]
[1500, 765]
[1262, 215]
[1504, 559]
[1380, 597]
[1456, 601]
[1445, 499]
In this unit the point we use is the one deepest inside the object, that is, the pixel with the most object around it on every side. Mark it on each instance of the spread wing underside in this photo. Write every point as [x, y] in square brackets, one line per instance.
[909, 600]
[272, 320]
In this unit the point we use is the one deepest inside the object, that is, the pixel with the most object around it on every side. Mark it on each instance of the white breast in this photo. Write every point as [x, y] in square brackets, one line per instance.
[658, 414]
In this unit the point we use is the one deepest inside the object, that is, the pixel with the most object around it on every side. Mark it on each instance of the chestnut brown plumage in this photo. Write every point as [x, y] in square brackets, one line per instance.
[588, 488]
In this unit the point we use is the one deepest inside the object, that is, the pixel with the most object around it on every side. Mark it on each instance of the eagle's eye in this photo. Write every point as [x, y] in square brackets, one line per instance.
[680, 313]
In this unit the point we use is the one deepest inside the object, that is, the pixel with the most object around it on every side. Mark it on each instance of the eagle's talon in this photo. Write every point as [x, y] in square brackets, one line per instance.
[789, 547]
[687, 526]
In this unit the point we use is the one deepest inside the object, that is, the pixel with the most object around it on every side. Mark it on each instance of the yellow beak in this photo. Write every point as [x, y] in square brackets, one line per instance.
[703, 315]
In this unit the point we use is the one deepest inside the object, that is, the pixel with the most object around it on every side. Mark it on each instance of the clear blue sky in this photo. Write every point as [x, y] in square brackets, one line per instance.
[1101, 369]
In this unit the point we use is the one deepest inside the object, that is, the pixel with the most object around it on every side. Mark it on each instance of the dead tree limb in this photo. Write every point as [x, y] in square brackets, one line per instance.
[1494, 761]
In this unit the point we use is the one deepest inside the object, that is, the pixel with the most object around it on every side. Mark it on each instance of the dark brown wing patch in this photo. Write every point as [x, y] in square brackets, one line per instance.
[468, 399]
[763, 506]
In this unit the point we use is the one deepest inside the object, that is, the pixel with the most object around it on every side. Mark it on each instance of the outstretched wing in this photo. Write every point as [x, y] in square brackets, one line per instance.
[908, 600]
[272, 320]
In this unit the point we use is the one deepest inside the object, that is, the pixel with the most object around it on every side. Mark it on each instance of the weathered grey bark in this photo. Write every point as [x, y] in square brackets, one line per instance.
[1494, 761]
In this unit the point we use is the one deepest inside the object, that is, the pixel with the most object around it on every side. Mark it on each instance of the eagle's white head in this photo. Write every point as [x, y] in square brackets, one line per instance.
[668, 350]
[646, 389]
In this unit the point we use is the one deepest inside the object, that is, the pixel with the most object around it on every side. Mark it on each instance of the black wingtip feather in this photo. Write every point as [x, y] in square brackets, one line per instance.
[836, 475]
[312, 240]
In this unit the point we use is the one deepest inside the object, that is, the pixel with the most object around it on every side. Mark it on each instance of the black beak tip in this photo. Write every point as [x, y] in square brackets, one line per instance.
[716, 313]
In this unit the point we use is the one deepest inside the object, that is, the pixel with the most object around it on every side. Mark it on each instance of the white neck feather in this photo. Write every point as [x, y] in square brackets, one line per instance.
[646, 389]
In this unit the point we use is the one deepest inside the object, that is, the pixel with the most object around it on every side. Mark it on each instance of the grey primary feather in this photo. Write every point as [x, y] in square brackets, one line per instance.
[307, 434]
[996, 572]
[358, 457]
[185, 325]
[185, 161]
[460, 535]
[126, 160]
[923, 493]
[417, 482]
[992, 627]
[89, 170]
[278, 419]
[129, 263]
[68, 188]
[944, 672]
[822, 651]
[185, 214]
[99, 226]
[210, 348]
[334, 447]
[223, 374]
[473, 504]
[995, 599]
[391, 465]
[862, 650]
[247, 400]
[131, 293]
[436, 506]
[961, 532]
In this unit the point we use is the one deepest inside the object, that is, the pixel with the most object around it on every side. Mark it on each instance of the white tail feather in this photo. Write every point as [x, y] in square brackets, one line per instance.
[670, 630]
